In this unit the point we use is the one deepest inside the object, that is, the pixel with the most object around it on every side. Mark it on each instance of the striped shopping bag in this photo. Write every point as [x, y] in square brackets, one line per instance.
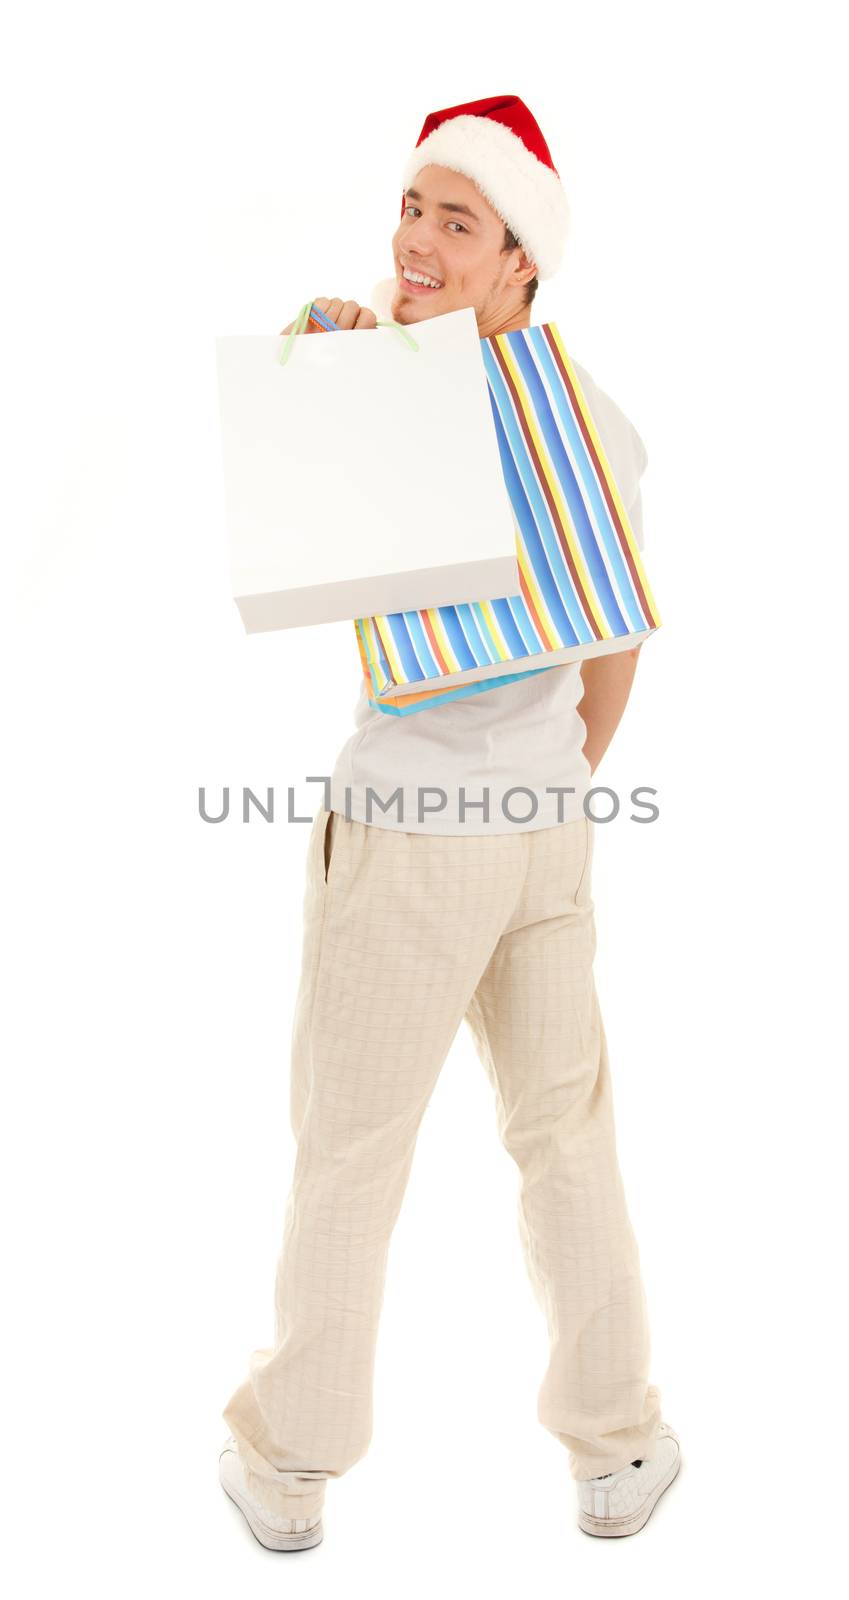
[584, 590]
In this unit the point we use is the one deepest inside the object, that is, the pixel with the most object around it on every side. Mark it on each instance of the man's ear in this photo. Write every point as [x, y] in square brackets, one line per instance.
[524, 270]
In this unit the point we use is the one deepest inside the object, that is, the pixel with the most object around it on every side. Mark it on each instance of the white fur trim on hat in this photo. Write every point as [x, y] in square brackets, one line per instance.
[526, 194]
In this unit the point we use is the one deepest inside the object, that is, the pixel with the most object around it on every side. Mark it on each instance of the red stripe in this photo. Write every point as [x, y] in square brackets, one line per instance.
[537, 619]
[602, 478]
[545, 486]
[428, 628]
[380, 636]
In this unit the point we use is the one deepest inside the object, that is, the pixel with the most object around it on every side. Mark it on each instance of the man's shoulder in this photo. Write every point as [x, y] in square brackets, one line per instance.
[623, 445]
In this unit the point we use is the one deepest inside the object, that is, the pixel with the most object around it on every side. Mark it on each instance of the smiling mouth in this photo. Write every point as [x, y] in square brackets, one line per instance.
[432, 286]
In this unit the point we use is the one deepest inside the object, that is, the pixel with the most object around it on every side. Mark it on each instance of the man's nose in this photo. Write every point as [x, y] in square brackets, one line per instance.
[419, 236]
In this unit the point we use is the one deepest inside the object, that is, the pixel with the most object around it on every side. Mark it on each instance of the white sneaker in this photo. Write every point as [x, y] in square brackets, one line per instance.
[273, 1531]
[622, 1502]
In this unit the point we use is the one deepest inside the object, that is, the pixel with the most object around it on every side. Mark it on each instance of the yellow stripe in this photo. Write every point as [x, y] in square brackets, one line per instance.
[590, 596]
[496, 638]
[487, 625]
[379, 681]
[391, 651]
[442, 638]
[609, 478]
[388, 650]
[368, 640]
[358, 629]
[550, 640]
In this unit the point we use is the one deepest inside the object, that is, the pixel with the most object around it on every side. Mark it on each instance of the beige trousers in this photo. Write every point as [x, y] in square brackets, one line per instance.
[406, 934]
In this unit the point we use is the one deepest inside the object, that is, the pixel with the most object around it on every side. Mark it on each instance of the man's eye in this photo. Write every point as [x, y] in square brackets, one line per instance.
[451, 224]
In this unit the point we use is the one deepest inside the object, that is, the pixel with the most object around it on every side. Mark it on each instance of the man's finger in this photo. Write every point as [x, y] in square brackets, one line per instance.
[348, 314]
[345, 313]
[322, 303]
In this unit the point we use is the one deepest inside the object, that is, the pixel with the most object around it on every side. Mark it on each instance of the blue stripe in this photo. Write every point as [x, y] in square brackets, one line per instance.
[456, 694]
[379, 667]
[522, 482]
[591, 487]
[532, 514]
[568, 482]
[473, 634]
[488, 646]
[376, 685]
[563, 605]
[519, 607]
[321, 317]
[457, 638]
[404, 645]
[423, 646]
[507, 622]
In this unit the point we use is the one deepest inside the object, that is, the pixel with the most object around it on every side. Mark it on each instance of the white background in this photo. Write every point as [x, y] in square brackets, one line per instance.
[175, 172]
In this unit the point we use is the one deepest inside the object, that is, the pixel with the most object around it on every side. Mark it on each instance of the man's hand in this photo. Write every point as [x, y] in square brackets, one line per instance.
[607, 682]
[345, 313]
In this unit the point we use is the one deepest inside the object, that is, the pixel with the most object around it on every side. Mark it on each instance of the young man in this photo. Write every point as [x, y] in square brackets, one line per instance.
[434, 895]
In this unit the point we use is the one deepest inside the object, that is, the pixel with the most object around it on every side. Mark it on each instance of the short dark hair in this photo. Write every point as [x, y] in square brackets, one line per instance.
[512, 243]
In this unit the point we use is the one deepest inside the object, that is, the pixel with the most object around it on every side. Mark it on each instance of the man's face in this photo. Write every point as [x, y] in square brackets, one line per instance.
[450, 234]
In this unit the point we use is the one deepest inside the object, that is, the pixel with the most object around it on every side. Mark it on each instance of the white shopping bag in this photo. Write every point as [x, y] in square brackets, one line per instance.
[363, 476]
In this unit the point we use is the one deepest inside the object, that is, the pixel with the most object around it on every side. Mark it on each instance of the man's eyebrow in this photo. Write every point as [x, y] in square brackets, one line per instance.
[446, 205]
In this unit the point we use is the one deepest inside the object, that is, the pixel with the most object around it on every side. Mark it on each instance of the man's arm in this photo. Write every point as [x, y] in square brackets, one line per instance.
[607, 684]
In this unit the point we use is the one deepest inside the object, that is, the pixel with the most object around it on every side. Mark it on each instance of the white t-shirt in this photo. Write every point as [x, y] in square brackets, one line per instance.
[520, 736]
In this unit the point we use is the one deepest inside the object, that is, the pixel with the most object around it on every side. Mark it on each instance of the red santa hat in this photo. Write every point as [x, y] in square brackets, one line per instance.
[499, 145]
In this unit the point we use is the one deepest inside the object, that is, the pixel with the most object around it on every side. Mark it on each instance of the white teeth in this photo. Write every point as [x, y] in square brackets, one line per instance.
[419, 277]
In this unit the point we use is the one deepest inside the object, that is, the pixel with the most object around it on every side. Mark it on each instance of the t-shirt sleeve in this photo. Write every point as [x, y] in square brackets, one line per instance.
[635, 517]
[625, 450]
[638, 456]
[635, 508]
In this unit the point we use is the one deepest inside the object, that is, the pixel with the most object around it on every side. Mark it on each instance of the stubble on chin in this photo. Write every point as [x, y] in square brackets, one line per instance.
[403, 309]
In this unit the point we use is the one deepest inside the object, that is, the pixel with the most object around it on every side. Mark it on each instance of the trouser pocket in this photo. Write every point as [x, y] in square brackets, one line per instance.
[329, 836]
[582, 892]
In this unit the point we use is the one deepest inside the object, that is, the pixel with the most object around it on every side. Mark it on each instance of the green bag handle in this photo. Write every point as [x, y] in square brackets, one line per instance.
[300, 323]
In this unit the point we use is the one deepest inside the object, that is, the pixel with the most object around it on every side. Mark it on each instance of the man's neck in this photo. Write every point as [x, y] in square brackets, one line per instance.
[503, 321]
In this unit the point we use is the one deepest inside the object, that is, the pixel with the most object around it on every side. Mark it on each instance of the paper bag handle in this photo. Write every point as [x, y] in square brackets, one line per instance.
[301, 320]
